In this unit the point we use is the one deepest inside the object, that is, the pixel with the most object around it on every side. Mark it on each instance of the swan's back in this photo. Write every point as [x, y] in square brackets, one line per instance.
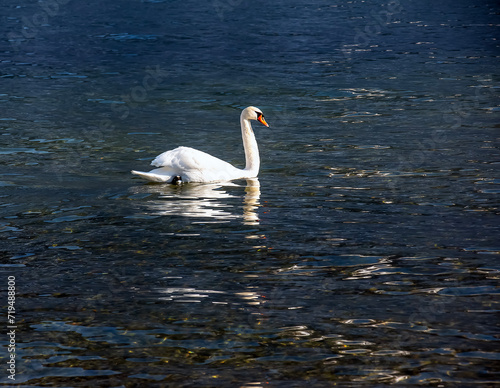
[195, 166]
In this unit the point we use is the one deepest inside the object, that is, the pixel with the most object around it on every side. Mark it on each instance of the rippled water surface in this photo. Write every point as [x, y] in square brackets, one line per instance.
[365, 254]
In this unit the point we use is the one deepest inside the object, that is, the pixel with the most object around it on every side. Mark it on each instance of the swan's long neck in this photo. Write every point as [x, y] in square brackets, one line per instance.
[251, 148]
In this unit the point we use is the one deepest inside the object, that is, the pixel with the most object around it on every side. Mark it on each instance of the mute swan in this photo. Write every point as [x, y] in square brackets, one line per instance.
[185, 164]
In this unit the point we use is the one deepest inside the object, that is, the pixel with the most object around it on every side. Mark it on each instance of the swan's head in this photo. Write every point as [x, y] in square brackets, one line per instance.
[253, 113]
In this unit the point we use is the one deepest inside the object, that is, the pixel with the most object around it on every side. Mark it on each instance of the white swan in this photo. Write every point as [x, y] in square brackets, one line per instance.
[185, 164]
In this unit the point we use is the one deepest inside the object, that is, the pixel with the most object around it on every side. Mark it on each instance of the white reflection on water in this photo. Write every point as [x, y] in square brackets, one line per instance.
[211, 200]
[194, 295]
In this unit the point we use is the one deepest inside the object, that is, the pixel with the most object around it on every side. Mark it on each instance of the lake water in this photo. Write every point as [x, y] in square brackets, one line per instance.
[366, 253]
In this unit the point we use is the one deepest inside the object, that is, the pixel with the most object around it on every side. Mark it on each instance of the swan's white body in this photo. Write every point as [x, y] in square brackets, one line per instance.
[189, 165]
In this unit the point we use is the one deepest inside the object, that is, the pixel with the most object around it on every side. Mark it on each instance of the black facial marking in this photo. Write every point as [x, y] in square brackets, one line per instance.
[177, 180]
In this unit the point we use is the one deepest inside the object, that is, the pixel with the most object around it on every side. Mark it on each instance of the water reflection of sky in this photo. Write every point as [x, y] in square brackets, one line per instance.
[368, 255]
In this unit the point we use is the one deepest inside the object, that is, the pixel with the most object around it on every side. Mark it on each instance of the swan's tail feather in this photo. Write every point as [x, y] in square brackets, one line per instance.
[152, 176]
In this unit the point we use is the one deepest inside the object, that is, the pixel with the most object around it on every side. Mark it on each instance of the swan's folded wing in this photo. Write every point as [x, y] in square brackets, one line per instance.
[196, 166]
[186, 159]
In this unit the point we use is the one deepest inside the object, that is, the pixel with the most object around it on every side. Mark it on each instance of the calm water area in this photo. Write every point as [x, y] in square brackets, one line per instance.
[366, 254]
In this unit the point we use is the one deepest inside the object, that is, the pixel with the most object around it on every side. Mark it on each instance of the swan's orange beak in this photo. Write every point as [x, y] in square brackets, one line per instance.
[261, 120]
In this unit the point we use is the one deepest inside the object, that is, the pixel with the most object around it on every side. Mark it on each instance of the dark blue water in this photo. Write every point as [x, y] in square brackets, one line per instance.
[366, 253]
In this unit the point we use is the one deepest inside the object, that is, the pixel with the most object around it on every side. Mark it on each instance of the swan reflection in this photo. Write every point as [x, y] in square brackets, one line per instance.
[210, 200]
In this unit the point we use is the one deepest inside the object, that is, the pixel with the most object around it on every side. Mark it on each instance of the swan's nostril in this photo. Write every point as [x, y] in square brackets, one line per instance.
[260, 117]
